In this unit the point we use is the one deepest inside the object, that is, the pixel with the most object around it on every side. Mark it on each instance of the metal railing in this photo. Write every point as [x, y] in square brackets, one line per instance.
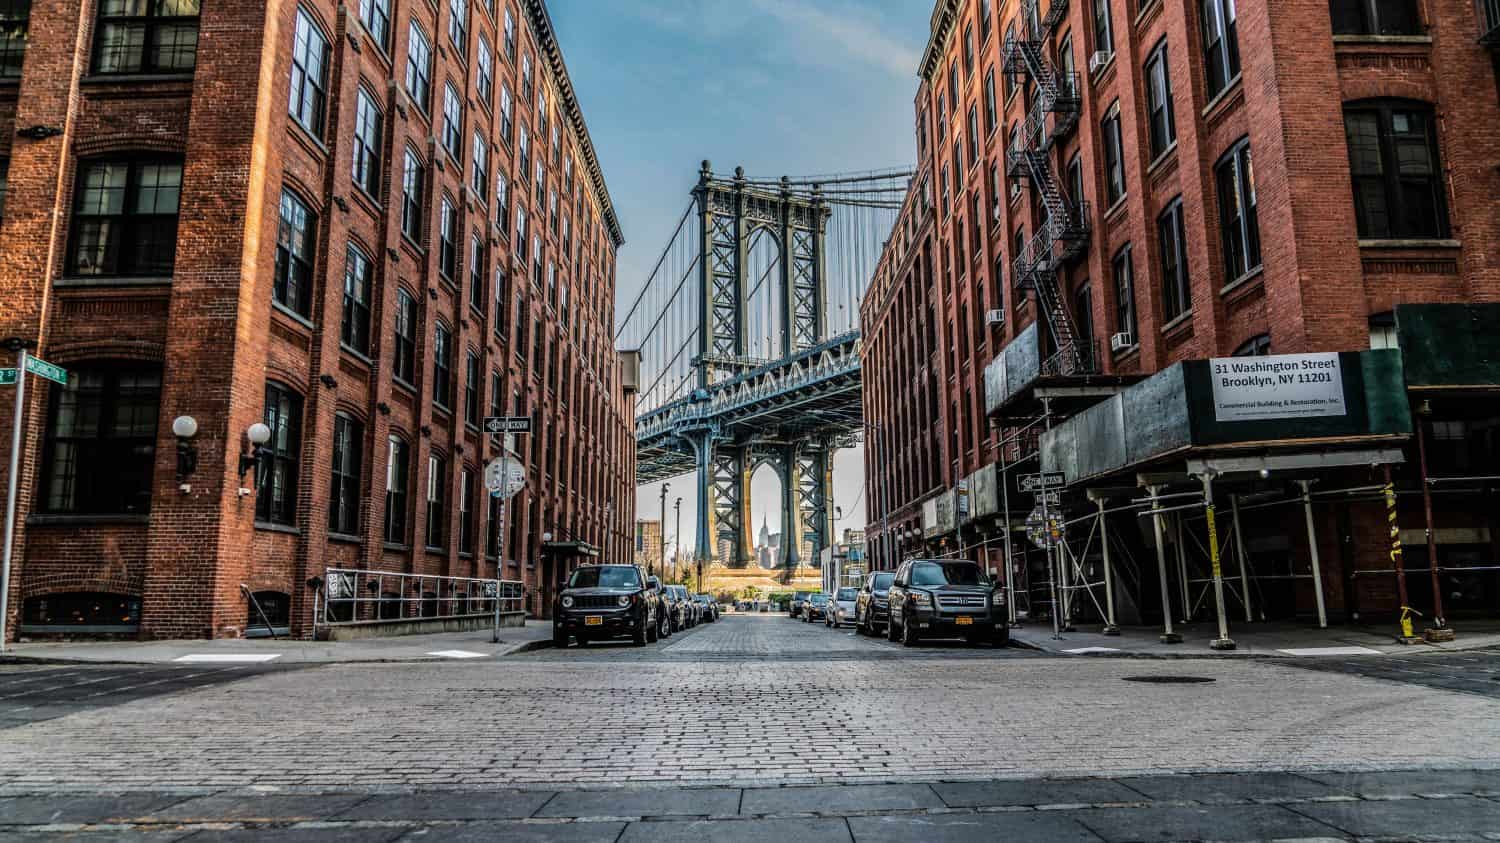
[352, 596]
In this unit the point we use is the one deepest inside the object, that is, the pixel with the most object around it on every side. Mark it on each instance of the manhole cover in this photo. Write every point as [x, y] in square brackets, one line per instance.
[1170, 680]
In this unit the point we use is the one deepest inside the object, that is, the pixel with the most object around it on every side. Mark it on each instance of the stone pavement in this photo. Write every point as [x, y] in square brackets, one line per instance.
[1261, 639]
[671, 715]
[435, 647]
[1403, 805]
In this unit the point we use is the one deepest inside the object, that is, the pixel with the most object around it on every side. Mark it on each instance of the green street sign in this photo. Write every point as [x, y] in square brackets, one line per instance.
[41, 368]
[7, 377]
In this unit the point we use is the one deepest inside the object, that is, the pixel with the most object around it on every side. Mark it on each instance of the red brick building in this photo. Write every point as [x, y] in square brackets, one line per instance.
[366, 225]
[1226, 179]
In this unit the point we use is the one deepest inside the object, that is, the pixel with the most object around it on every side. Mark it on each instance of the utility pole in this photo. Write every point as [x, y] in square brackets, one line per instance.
[677, 539]
[663, 528]
[21, 347]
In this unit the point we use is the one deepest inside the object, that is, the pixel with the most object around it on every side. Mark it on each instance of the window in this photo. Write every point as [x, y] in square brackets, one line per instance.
[1375, 17]
[524, 153]
[1083, 315]
[1255, 347]
[442, 367]
[969, 50]
[991, 116]
[1114, 158]
[476, 272]
[101, 440]
[419, 67]
[507, 108]
[276, 493]
[521, 234]
[1159, 100]
[1124, 271]
[481, 176]
[495, 394]
[458, 24]
[412, 179]
[354, 331]
[397, 474]
[1075, 182]
[1067, 67]
[344, 497]
[367, 133]
[500, 296]
[985, 20]
[81, 611]
[1393, 163]
[1237, 219]
[375, 16]
[1104, 37]
[405, 364]
[137, 37]
[510, 35]
[974, 134]
[125, 218]
[447, 240]
[437, 501]
[953, 85]
[1176, 295]
[486, 80]
[294, 255]
[309, 74]
[526, 76]
[502, 202]
[471, 390]
[465, 511]
[958, 166]
[1221, 46]
[453, 123]
[15, 19]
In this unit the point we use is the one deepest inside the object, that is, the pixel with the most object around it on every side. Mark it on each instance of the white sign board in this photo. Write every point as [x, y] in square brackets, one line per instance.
[504, 478]
[1279, 386]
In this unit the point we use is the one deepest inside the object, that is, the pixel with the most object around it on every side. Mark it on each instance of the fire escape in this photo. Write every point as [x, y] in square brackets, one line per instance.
[1064, 231]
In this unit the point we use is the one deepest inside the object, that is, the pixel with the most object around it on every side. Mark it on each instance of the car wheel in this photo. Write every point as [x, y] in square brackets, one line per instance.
[909, 637]
[653, 632]
[663, 628]
[559, 638]
[1000, 638]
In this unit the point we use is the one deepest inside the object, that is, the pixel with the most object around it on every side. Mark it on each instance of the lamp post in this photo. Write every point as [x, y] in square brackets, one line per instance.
[609, 519]
[663, 527]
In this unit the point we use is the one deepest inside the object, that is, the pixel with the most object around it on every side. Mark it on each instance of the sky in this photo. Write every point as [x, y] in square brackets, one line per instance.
[779, 87]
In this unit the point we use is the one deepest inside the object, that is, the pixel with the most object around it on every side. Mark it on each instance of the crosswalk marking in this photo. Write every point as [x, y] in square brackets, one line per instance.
[237, 658]
[1330, 651]
[456, 654]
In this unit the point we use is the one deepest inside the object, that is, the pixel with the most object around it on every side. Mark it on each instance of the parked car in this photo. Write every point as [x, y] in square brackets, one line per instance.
[841, 607]
[684, 611]
[945, 598]
[815, 608]
[708, 610]
[871, 609]
[798, 601]
[663, 607]
[605, 601]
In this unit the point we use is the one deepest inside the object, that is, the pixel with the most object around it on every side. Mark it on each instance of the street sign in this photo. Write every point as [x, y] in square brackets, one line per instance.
[1045, 480]
[41, 368]
[1044, 532]
[507, 424]
[1053, 497]
[503, 478]
[7, 377]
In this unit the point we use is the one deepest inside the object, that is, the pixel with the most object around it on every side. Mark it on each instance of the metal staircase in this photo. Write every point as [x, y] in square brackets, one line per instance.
[1063, 234]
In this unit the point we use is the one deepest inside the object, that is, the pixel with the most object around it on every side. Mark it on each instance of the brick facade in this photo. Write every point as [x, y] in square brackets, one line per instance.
[927, 335]
[219, 338]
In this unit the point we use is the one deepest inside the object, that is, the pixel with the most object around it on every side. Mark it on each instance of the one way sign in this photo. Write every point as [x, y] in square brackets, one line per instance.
[507, 424]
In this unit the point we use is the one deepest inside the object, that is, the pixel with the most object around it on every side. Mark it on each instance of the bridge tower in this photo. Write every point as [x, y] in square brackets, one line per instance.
[730, 213]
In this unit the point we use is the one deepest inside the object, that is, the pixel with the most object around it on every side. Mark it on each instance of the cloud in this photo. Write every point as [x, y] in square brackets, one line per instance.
[856, 34]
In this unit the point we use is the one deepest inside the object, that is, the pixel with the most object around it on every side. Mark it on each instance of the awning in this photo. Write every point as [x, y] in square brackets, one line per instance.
[574, 548]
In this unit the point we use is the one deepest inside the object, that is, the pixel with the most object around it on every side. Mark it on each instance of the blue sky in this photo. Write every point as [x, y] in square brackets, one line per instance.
[779, 87]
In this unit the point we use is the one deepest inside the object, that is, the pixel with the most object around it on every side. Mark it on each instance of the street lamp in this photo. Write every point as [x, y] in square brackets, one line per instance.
[677, 536]
[663, 527]
[258, 435]
[185, 428]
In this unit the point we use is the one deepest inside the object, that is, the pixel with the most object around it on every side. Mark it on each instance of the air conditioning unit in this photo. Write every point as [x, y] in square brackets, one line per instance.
[1098, 60]
[994, 317]
[1121, 341]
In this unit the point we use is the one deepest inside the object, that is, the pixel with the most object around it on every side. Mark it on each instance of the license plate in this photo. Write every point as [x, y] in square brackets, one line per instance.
[963, 620]
[593, 620]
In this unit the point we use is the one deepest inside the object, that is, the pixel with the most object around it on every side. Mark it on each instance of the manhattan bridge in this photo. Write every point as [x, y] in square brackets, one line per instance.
[748, 329]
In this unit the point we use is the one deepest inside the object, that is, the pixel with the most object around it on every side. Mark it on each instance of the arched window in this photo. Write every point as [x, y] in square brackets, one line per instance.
[343, 495]
[276, 500]
[397, 482]
[1393, 163]
[81, 611]
[1375, 17]
[101, 440]
[1255, 347]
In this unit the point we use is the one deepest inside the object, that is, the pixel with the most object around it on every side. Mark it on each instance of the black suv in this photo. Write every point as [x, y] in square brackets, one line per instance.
[605, 601]
[945, 598]
[872, 611]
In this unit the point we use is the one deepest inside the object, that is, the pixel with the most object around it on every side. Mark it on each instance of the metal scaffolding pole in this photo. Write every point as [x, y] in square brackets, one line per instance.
[1182, 572]
[1167, 635]
[1223, 642]
[1244, 558]
[1312, 546]
[1110, 627]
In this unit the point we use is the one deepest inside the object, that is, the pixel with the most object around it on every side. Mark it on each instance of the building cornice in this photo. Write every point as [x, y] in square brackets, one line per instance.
[944, 16]
[546, 36]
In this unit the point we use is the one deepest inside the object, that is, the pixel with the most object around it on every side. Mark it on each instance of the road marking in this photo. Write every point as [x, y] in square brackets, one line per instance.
[457, 654]
[1083, 651]
[199, 658]
[1331, 651]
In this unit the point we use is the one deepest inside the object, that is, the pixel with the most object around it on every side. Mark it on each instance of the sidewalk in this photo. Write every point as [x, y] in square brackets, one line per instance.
[1261, 639]
[437, 647]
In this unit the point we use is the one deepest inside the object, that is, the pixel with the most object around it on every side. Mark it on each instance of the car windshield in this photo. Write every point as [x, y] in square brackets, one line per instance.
[613, 577]
[883, 581]
[819, 599]
[947, 573]
[846, 594]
